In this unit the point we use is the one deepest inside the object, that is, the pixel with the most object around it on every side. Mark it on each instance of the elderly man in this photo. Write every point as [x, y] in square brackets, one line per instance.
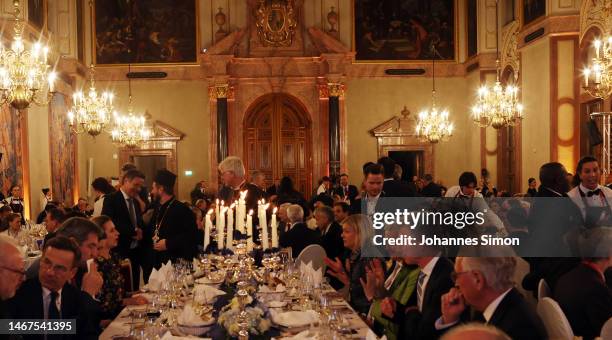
[299, 236]
[232, 173]
[331, 232]
[475, 331]
[485, 284]
[11, 271]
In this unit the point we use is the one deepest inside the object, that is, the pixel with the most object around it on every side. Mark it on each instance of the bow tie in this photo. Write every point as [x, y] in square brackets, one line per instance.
[594, 192]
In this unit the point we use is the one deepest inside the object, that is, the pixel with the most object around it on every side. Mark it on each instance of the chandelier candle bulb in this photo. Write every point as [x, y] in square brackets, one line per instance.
[230, 226]
[249, 226]
[274, 227]
[207, 228]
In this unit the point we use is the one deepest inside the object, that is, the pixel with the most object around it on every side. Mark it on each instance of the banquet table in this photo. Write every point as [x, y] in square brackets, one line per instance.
[120, 326]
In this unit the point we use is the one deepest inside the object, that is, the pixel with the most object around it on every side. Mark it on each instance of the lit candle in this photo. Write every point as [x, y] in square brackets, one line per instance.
[217, 212]
[207, 228]
[241, 212]
[249, 227]
[274, 227]
[221, 229]
[230, 226]
[263, 223]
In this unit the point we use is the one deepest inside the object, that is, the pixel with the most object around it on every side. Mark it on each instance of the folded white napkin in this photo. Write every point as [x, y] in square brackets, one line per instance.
[295, 318]
[205, 293]
[279, 289]
[371, 336]
[189, 317]
[160, 276]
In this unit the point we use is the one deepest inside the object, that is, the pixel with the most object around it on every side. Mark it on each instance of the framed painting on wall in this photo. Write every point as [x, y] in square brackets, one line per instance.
[404, 30]
[145, 32]
[533, 10]
[37, 13]
[62, 150]
[11, 148]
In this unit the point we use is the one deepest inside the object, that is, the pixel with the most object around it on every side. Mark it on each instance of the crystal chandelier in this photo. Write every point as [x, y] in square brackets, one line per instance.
[25, 77]
[433, 124]
[91, 113]
[130, 130]
[598, 75]
[497, 106]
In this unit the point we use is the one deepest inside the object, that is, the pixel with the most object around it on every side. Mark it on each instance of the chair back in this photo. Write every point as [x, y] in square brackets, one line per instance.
[126, 273]
[313, 253]
[557, 326]
[543, 290]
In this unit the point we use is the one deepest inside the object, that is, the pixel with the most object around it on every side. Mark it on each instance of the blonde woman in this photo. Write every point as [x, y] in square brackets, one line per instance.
[357, 234]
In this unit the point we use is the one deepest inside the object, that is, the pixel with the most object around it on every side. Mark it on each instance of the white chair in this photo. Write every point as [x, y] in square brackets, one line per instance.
[313, 253]
[557, 326]
[606, 330]
[543, 290]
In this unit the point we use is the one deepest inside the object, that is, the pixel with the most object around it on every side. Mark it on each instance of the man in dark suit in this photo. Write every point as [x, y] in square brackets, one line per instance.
[53, 220]
[485, 284]
[299, 236]
[331, 232]
[256, 189]
[173, 223]
[374, 179]
[232, 174]
[50, 295]
[417, 318]
[11, 271]
[430, 189]
[394, 187]
[584, 297]
[341, 211]
[346, 191]
[134, 239]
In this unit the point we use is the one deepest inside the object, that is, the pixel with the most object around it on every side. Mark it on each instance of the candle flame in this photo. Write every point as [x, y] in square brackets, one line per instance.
[275, 209]
[251, 212]
[209, 212]
[217, 201]
[243, 194]
[222, 203]
[266, 206]
[232, 206]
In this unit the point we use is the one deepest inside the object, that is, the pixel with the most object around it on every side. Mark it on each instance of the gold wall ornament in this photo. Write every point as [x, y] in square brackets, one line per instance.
[336, 89]
[509, 48]
[595, 13]
[222, 91]
[276, 22]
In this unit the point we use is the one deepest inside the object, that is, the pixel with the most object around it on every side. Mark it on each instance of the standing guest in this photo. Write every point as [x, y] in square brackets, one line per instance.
[341, 211]
[46, 199]
[273, 189]
[533, 184]
[582, 292]
[356, 234]
[373, 183]
[174, 225]
[5, 210]
[485, 284]
[256, 189]
[593, 199]
[101, 188]
[430, 188]
[14, 231]
[198, 192]
[50, 296]
[324, 187]
[232, 175]
[112, 296]
[12, 272]
[15, 201]
[393, 187]
[298, 236]
[346, 191]
[201, 204]
[287, 194]
[53, 221]
[134, 241]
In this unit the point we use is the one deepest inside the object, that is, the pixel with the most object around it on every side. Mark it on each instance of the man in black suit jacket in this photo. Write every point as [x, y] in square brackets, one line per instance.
[51, 296]
[173, 223]
[374, 179]
[430, 189]
[394, 187]
[255, 189]
[485, 284]
[331, 232]
[346, 191]
[134, 239]
[584, 297]
[299, 236]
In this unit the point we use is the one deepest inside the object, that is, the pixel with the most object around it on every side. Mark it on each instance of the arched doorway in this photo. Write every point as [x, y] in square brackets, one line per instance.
[278, 141]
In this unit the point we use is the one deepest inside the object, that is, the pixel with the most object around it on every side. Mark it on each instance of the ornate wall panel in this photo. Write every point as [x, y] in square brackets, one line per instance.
[62, 152]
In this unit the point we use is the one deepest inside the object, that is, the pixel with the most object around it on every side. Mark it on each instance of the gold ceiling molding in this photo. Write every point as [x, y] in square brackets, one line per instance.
[509, 49]
[595, 13]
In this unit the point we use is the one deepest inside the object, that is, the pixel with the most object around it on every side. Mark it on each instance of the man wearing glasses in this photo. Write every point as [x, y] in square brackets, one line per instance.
[11, 271]
[50, 296]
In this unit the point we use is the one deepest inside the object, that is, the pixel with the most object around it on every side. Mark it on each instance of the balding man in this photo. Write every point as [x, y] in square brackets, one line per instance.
[11, 270]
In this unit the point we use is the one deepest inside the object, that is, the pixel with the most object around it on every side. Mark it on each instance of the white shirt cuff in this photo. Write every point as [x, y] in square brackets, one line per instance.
[440, 326]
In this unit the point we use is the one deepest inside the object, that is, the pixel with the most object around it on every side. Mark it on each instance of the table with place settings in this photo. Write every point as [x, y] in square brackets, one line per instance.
[280, 304]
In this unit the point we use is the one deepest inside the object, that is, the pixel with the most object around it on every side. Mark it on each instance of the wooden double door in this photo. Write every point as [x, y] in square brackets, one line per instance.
[278, 141]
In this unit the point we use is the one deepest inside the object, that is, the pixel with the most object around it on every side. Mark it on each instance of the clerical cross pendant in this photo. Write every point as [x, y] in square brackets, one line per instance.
[156, 236]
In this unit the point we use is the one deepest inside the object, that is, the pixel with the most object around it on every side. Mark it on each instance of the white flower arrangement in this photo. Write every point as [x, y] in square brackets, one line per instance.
[228, 318]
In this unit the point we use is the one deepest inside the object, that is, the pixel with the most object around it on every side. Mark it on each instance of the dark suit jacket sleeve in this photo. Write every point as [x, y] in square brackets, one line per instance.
[185, 230]
[112, 208]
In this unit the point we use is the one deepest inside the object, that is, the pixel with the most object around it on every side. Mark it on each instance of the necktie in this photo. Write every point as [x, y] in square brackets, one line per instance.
[53, 311]
[420, 282]
[132, 211]
[593, 192]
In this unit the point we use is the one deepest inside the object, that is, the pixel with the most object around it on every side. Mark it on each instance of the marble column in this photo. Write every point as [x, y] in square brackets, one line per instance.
[221, 92]
[336, 90]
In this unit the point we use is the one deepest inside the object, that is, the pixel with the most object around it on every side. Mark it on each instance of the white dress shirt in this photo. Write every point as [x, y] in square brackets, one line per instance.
[490, 310]
[98, 205]
[427, 270]
[47, 301]
[593, 201]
